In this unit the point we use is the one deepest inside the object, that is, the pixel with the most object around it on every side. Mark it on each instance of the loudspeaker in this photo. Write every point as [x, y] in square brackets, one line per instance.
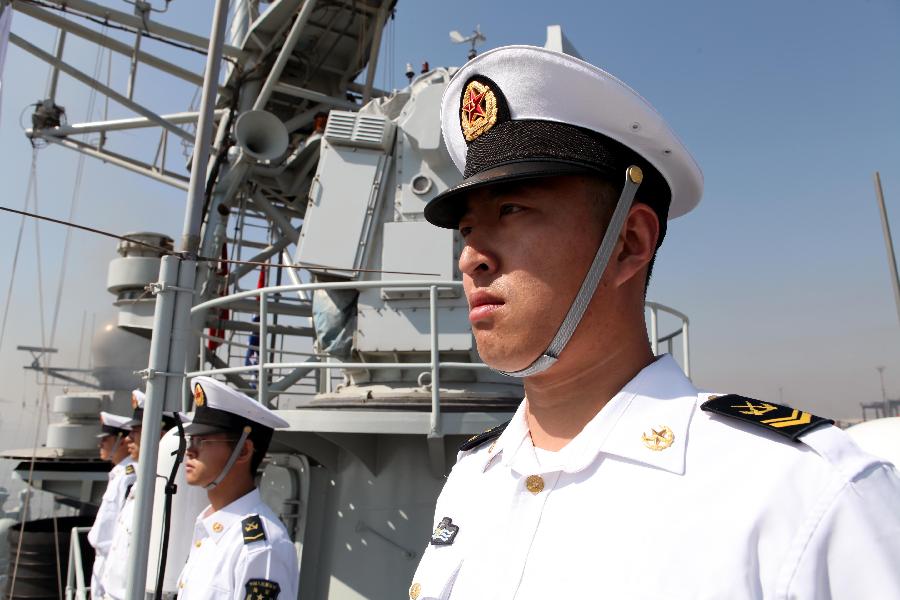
[261, 134]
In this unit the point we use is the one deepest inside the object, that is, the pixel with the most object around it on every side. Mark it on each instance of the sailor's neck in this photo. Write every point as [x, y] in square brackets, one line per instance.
[228, 491]
[561, 401]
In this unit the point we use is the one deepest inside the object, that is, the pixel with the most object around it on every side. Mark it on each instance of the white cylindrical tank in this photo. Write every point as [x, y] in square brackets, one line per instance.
[880, 437]
[187, 503]
[77, 432]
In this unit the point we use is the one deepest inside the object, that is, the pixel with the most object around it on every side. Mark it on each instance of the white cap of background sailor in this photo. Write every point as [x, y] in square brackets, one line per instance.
[116, 425]
[219, 408]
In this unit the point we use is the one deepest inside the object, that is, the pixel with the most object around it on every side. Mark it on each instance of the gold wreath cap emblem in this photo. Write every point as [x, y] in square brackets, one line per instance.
[478, 110]
[199, 395]
[659, 438]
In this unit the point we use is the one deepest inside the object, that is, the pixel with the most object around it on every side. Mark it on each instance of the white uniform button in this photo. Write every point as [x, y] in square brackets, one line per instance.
[197, 543]
[534, 484]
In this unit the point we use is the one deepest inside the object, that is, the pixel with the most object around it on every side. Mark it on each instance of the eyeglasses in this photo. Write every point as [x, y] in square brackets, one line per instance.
[195, 441]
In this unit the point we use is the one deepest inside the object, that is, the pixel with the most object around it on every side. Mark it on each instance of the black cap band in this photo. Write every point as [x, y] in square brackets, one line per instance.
[211, 420]
[110, 430]
[527, 149]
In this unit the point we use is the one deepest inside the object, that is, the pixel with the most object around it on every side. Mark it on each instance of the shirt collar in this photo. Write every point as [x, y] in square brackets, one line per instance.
[119, 468]
[658, 397]
[218, 522]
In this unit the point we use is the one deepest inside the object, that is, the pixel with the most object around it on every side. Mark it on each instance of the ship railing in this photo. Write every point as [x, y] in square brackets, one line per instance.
[432, 367]
[655, 308]
[75, 584]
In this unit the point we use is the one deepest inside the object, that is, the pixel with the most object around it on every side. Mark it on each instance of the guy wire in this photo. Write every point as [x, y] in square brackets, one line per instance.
[167, 251]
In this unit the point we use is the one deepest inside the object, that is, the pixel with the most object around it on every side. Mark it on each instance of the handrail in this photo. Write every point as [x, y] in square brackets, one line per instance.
[434, 365]
[75, 588]
[262, 390]
[655, 308]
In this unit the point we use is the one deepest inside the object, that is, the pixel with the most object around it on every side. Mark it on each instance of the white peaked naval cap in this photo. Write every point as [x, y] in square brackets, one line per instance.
[220, 408]
[111, 424]
[138, 398]
[521, 112]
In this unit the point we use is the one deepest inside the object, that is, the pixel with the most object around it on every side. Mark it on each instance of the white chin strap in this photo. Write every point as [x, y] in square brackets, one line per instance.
[112, 451]
[231, 459]
[633, 178]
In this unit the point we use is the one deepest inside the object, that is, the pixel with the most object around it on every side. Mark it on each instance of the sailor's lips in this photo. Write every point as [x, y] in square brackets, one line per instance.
[482, 305]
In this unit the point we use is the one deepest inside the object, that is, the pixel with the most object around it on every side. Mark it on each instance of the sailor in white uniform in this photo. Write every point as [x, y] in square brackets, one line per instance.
[113, 448]
[114, 578]
[616, 477]
[240, 549]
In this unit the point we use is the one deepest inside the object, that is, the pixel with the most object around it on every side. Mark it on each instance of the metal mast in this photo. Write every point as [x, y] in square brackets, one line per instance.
[888, 242]
[170, 323]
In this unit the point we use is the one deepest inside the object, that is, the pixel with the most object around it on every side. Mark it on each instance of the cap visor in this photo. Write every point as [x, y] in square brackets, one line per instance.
[202, 429]
[446, 209]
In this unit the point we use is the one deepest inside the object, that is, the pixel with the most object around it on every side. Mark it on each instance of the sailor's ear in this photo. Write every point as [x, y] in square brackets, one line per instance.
[246, 454]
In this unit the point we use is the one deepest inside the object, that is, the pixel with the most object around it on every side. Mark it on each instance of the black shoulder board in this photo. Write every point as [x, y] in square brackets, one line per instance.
[262, 589]
[129, 469]
[253, 531]
[477, 440]
[784, 420]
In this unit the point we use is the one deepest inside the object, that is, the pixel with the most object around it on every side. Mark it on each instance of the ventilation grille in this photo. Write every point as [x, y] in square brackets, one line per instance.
[363, 131]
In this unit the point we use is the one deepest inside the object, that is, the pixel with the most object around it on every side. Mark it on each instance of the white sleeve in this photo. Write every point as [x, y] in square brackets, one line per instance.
[854, 552]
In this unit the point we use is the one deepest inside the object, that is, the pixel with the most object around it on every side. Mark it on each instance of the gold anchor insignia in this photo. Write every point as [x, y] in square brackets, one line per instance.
[658, 439]
[217, 527]
[755, 409]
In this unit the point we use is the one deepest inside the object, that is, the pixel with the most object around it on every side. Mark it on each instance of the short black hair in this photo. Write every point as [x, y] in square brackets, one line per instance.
[606, 204]
[261, 438]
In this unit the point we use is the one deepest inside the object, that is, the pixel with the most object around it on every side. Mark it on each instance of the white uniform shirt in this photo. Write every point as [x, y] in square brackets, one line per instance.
[121, 478]
[728, 511]
[115, 570]
[230, 560]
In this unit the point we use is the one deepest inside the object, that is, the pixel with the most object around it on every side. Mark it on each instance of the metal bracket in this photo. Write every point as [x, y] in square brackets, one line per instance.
[147, 374]
[161, 288]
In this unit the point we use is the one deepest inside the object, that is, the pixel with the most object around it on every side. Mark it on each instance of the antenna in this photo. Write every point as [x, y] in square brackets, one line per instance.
[476, 38]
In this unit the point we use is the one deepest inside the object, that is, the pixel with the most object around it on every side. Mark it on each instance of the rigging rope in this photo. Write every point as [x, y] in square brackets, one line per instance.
[42, 402]
[133, 30]
[32, 181]
[44, 399]
[167, 251]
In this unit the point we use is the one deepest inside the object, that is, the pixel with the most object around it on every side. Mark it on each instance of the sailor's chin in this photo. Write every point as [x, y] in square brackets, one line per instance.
[503, 356]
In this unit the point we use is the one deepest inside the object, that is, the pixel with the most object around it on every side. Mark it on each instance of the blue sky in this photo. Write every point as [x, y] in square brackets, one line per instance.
[788, 107]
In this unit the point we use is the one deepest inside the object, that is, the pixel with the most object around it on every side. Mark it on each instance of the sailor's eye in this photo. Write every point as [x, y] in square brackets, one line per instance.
[507, 209]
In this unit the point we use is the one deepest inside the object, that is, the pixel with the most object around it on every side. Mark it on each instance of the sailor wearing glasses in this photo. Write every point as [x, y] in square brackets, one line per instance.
[240, 550]
[114, 449]
[617, 477]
